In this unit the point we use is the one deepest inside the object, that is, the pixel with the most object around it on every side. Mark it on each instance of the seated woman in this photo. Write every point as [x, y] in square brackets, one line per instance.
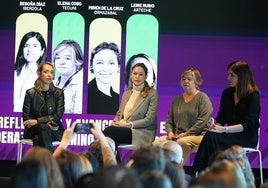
[43, 109]
[237, 121]
[135, 121]
[189, 114]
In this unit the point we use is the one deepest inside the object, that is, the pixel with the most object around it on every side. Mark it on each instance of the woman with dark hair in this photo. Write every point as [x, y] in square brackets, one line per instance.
[135, 120]
[31, 52]
[73, 166]
[43, 108]
[68, 59]
[105, 65]
[29, 173]
[237, 121]
[149, 63]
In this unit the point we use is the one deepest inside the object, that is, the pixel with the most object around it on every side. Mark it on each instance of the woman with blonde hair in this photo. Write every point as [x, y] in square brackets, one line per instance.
[73, 166]
[43, 108]
[189, 114]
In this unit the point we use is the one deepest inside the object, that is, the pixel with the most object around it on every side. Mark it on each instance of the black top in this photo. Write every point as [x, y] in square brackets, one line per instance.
[45, 107]
[99, 103]
[246, 112]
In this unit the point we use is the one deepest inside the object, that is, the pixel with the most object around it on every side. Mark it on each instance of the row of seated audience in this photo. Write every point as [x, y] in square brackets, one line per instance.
[147, 167]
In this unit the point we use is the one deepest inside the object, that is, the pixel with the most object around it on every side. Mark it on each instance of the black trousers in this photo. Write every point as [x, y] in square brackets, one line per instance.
[213, 142]
[41, 136]
[120, 135]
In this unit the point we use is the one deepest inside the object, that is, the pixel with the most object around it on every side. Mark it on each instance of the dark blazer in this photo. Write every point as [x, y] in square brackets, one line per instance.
[143, 117]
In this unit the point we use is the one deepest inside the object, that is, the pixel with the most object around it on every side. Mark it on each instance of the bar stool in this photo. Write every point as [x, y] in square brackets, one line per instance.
[258, 151]
[28, 142]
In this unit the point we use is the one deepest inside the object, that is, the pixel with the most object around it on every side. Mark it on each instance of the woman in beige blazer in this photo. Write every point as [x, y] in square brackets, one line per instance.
[135, 121]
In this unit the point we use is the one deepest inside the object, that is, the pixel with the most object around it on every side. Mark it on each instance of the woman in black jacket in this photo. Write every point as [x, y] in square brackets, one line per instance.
[43, 108]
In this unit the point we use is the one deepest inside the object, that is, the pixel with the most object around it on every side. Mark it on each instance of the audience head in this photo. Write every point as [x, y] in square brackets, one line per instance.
[29, 173]
[173, 162]
[73, 166]
[116, 176]
[95, 149]
[93, 161]
[173, 151]
[237, 153]
[221, 174]
[147, 158]
[85, 181]
[44, 156]
[176, 174]
[155, 179]
[216, 156]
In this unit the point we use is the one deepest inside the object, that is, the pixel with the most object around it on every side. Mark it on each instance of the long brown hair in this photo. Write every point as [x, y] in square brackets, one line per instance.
[146, 89]
[246, 83]
[38, 83]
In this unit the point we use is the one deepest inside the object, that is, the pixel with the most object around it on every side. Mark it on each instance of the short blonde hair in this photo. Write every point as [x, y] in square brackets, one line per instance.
[196, 75]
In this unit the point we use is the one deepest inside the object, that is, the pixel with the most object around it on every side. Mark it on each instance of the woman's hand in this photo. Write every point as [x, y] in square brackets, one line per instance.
[121, 124]
[96, 130]
[29, 123]
[181, 135]
[114, 123]
[52, 125]
[217, 128]
[170, 136]
[68, 134]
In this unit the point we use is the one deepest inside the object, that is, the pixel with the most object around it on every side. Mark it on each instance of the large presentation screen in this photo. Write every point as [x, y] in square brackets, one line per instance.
[168, 36]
